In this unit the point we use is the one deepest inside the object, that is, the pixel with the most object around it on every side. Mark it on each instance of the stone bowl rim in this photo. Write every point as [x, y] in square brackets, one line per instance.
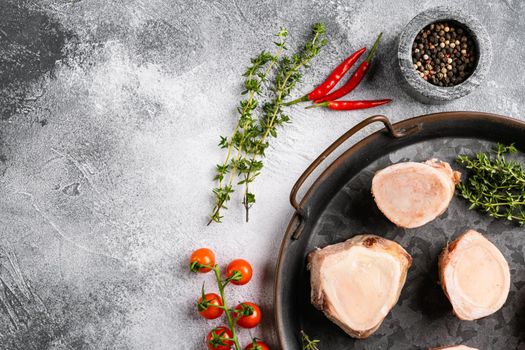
[479, 35]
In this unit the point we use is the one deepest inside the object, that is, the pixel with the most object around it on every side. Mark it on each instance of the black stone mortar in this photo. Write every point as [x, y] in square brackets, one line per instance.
[425, 91]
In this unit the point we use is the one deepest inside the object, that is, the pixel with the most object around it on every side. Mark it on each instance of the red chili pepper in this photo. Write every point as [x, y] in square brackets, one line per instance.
[324, 88]
[350, 105]
[355, 79]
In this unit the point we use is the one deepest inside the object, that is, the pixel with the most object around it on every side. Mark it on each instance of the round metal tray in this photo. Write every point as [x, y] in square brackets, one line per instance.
[339, 205]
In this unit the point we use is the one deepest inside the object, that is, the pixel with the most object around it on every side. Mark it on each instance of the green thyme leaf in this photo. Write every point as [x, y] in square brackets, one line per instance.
[256, 125]
[494, 184]
[307, 343]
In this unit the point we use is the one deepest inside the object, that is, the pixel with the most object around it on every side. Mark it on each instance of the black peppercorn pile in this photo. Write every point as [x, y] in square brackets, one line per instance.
[443, 54]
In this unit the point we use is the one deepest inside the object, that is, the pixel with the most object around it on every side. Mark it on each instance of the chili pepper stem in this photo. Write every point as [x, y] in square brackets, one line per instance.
[316, 105]
[231, 322]
[297, 100]
[371, 53]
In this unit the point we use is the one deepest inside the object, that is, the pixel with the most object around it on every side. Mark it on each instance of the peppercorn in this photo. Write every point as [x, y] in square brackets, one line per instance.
[443, 54]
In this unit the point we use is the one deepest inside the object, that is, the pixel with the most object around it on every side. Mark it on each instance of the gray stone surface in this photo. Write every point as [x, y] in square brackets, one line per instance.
[424, 91]
[110, 116]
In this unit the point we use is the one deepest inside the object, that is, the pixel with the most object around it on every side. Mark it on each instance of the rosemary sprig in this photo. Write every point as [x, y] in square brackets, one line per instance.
[287, 77]
[495, 184]
[307, 343]
[250, 136]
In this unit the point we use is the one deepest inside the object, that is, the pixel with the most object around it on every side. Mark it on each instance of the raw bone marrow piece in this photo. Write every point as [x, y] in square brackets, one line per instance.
[357, 282]
[474, 275]
[411, 194]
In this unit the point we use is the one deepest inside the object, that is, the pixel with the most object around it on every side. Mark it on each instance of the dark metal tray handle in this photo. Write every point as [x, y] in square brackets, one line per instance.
[299, 215]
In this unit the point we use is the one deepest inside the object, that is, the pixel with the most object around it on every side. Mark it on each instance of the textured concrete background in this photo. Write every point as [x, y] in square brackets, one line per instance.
[110, 115]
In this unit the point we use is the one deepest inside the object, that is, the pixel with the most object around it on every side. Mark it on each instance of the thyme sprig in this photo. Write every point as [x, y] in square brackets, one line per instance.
[307, 343]
[243, 132]
[250, 136]
[495, 185]
[287, 77]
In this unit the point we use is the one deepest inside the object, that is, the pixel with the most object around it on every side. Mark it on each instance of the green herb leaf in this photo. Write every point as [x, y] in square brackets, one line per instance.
[256, 125]
[495, 185]
[307, 343]
[287, 76]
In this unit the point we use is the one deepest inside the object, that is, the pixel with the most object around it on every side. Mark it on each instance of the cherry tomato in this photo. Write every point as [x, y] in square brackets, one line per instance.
[210, 311]
[248, 321]
[217, 344]
[203, 256]
[243, 267]
[259, 345]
